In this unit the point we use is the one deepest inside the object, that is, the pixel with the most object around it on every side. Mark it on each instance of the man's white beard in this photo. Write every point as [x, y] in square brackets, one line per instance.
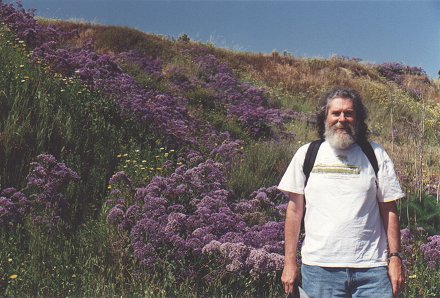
[339, 139]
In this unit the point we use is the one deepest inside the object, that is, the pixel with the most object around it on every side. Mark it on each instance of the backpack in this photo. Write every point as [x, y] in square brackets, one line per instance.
[313, 149]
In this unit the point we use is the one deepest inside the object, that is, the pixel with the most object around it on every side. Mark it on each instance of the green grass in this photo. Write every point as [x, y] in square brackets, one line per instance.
[425, 213]
[262, 164]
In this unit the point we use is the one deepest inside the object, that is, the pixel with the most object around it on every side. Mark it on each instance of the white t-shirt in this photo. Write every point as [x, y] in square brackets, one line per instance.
[342, 223]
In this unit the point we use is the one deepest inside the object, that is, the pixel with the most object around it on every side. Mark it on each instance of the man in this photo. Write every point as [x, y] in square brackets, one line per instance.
[352, 236]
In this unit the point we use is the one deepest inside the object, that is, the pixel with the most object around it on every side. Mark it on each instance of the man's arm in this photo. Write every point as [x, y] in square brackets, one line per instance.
[388, 211]
[294, 215]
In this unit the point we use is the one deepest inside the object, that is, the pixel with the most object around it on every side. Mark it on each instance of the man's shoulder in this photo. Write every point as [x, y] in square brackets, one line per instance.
[377, 148]
[303, 149]
[375, 145]
[380, 152]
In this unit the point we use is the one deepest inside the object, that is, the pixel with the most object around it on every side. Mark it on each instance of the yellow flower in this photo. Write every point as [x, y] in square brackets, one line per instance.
[13, 276]
[144, 161]
[166, 155]
[119, 155]
[161, 148]
[10, 260]
[21, 65]
[412, 276]
[172, 150]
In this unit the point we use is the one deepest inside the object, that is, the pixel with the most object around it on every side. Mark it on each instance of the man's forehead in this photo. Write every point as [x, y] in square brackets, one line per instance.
[341, 103]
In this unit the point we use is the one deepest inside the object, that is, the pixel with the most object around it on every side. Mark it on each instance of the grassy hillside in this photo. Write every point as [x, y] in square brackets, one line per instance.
[136, 165]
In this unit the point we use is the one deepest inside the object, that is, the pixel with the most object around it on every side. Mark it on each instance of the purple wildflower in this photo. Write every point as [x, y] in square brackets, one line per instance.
[431, 251]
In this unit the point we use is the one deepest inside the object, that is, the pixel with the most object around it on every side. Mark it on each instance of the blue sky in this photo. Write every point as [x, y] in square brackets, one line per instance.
[374, 31]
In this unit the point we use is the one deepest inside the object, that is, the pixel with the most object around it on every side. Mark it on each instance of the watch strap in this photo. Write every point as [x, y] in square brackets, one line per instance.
[395, 254]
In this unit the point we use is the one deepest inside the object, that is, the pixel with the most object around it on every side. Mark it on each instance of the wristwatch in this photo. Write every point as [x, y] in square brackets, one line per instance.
[395, 254]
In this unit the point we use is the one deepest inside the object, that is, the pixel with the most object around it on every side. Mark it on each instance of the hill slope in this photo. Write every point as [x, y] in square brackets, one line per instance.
[176, 147]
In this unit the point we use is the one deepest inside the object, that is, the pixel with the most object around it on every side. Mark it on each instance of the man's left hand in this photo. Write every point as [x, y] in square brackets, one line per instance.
[396, 274]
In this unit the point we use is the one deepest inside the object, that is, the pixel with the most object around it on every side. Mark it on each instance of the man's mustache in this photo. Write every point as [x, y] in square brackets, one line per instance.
[343, 126]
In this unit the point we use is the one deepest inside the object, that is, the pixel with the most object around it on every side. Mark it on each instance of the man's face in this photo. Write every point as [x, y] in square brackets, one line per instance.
[339, 123]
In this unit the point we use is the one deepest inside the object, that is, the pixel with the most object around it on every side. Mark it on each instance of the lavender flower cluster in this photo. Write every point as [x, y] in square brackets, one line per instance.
[14, 206]
[415, 242]
[431, 251]
[46, 182]
[397, 72]
[149, 65]
[42, 199]
[243, 102]
[190, 214]
[27, 29]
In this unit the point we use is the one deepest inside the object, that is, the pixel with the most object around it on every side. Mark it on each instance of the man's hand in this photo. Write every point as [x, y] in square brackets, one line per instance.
[288, 278]
[396, 274]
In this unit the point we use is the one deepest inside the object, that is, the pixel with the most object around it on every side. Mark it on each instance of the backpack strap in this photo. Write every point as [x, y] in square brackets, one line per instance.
[369, 152]
[310, 158]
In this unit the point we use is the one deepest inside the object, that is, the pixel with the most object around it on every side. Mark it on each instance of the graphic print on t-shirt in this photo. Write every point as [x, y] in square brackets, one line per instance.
[345, 169]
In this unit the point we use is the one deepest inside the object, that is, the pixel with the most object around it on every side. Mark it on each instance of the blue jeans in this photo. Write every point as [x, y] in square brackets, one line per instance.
[324, 282]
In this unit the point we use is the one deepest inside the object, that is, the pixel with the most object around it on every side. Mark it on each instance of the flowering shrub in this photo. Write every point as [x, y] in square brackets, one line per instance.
[46, 181]
[244, 102]
[44, 203]
[14, 206]
[431, 251]
[149, 65]
[27, 29]
[191, 214]
[421, 260]
[396, 71]
[227, 152]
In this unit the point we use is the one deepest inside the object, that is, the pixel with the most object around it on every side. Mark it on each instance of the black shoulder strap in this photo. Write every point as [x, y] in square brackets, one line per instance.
[369, 152]
[310, 158]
